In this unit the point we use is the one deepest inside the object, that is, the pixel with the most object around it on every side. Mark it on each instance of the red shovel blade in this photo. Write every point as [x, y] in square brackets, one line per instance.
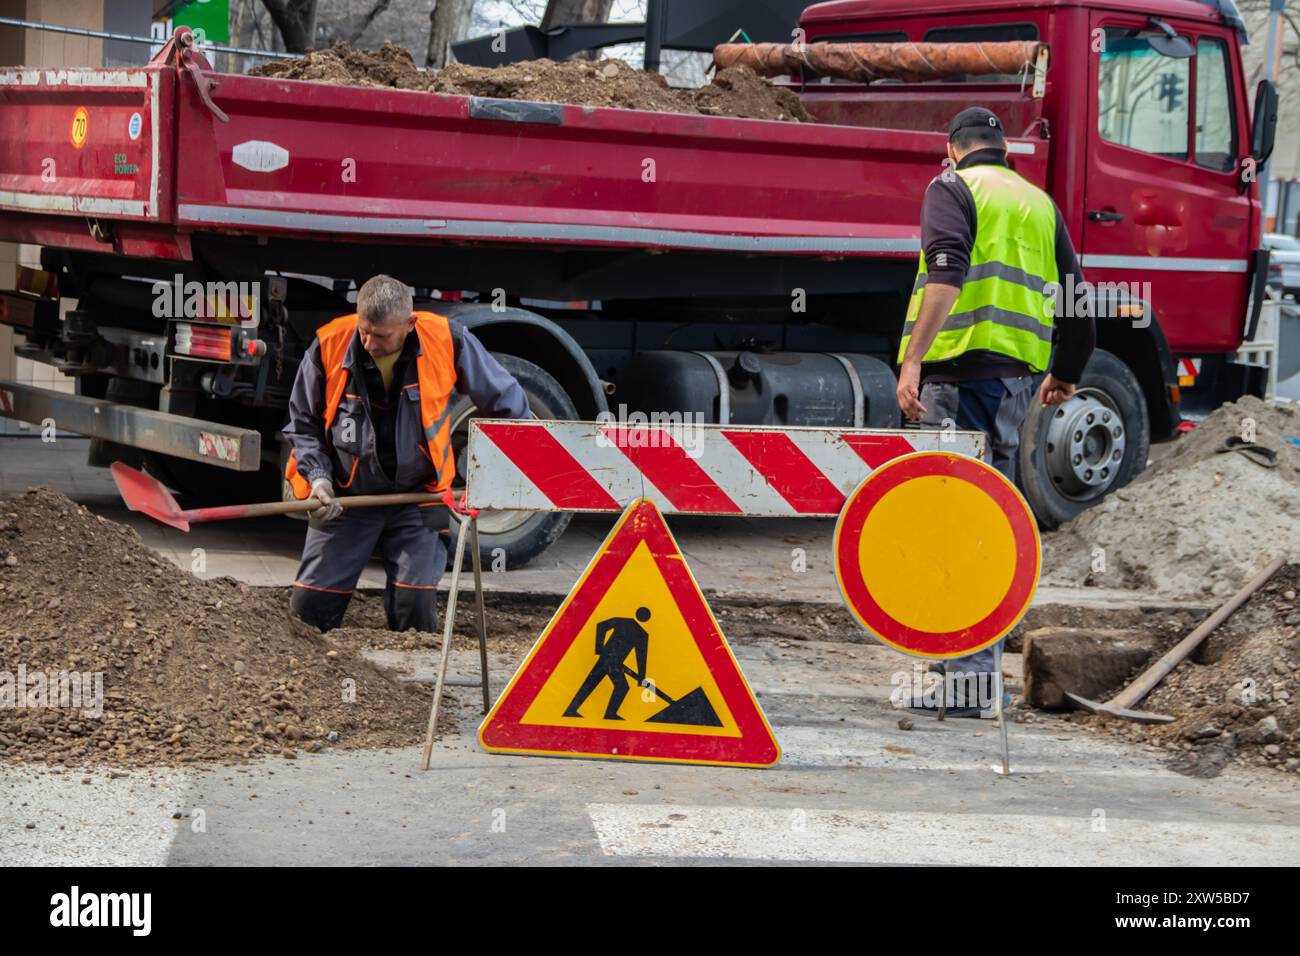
[148, 496]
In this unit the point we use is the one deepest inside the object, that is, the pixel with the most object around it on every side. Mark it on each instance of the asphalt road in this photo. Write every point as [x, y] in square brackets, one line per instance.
[851, 787]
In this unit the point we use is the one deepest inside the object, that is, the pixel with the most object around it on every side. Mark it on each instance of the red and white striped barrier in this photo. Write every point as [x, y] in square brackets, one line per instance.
[684, 469]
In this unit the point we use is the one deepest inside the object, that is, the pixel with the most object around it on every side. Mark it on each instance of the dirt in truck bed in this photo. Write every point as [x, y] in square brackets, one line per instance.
[736, 91]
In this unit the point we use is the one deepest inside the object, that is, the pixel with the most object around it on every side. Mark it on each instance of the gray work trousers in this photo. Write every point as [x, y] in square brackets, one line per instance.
[997, 407]
[411, 541]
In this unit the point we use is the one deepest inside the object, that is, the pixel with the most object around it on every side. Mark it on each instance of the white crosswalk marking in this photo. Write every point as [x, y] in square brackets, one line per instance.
[963, 839]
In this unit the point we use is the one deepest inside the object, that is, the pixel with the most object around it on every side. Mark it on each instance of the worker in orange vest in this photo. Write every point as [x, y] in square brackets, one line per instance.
[370, 414]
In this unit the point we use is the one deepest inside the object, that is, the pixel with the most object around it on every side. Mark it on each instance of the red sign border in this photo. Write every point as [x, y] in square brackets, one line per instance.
[937, 645]
[502, 730]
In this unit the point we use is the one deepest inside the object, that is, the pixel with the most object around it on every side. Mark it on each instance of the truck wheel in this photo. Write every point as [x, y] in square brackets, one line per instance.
[1075, 454]
[518, 536]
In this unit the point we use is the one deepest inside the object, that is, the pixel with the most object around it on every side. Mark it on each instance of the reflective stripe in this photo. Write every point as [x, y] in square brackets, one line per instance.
[991, 313]
[431, 432]
[1000, 270]
[312, 587]
[989, 270]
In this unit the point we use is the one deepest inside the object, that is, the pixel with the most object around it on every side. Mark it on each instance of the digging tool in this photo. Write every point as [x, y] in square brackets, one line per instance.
[1122, 704]
[148, 496]
[694, 709]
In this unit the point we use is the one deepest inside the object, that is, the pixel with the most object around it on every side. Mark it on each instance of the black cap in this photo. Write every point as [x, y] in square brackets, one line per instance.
[974, 116]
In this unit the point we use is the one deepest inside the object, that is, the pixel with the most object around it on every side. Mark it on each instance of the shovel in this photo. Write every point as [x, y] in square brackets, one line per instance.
[1122, 704]
[148, 496]
[693, 709]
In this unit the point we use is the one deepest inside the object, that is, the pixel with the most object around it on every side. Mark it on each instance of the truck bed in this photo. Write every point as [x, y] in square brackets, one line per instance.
[305, 159]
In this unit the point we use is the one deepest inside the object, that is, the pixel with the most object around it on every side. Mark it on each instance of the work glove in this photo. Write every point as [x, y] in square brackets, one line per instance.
[322, 489]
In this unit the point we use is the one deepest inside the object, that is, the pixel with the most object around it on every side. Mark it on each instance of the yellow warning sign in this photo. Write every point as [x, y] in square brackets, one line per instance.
[633, 666]
[80, 127]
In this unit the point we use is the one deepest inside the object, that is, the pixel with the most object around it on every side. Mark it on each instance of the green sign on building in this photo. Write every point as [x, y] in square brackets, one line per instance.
[212, 17]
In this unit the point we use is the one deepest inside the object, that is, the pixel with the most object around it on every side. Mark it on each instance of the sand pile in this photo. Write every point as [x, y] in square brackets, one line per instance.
[1196, 523]
[192, 670]
[1238, 697]
[736, 91]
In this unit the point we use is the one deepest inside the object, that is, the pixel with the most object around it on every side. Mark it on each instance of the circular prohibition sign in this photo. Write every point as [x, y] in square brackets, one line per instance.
[937, 554]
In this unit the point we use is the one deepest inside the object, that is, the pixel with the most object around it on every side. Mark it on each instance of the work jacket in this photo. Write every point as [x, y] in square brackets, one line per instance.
[332, 427]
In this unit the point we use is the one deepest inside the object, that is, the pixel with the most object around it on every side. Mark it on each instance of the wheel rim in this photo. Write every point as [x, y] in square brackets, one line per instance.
[1084, 445]
[489, 522]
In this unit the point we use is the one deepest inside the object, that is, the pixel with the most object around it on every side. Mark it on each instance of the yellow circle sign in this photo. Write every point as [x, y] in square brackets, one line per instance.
[80, 127]
[937, 554]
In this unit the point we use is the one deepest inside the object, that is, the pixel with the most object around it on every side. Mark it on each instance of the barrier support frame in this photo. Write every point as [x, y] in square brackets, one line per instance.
[468, 529]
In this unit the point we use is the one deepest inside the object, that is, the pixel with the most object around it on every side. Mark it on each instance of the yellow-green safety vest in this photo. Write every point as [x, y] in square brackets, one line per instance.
[1007, 303]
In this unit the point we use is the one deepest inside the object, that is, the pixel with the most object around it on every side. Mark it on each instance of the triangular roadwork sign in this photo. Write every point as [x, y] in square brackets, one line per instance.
[633, 666]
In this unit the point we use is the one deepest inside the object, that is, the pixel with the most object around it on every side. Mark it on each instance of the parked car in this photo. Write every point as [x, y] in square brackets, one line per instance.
[1283, 262]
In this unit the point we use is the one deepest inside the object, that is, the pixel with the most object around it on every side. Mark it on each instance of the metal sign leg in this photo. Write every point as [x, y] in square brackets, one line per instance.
[943, 690]
[448, 627]
[1002, 717]
[482, 616]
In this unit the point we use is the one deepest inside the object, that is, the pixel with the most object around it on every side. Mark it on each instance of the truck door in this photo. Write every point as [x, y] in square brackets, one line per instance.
[1165, 208]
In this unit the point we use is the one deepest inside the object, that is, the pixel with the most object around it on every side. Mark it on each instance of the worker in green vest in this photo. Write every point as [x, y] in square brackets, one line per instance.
[986, 314]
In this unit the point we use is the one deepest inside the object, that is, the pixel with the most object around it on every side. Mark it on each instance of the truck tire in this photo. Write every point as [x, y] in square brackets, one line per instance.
[515, 536]
[1075, 454]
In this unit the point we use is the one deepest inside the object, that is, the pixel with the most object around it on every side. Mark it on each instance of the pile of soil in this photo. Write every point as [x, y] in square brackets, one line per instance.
[1196, 523]
[193, 670]
[736, 91]
[1238, 697]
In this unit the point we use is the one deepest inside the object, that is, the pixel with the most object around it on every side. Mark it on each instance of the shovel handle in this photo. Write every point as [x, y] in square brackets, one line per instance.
[263, 509]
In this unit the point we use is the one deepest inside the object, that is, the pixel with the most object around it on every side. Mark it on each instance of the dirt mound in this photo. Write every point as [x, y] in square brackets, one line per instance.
[1238, 697]
[736, 91]
[739, 91]
[1196, 523]
[341, 65]
[191, 670]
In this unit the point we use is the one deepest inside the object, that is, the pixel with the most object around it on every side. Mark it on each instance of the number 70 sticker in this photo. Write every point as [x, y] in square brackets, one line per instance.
[80, 127]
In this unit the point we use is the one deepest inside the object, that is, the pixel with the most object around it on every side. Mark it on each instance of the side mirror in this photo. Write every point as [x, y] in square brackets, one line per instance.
[1263, 129]
[1178, 47]
[1169, 42]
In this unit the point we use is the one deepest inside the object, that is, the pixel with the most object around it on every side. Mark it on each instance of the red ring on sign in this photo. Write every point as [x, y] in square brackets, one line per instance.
[1024, 578]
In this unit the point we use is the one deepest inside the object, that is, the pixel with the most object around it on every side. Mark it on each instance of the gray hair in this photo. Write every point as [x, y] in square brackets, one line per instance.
[384, 299]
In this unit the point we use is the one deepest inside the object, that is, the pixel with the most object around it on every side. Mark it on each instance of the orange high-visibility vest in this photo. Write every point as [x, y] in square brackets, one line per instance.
[436, 371]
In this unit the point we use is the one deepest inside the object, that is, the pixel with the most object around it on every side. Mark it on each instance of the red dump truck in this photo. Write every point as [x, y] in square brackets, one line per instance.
[743, 271]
